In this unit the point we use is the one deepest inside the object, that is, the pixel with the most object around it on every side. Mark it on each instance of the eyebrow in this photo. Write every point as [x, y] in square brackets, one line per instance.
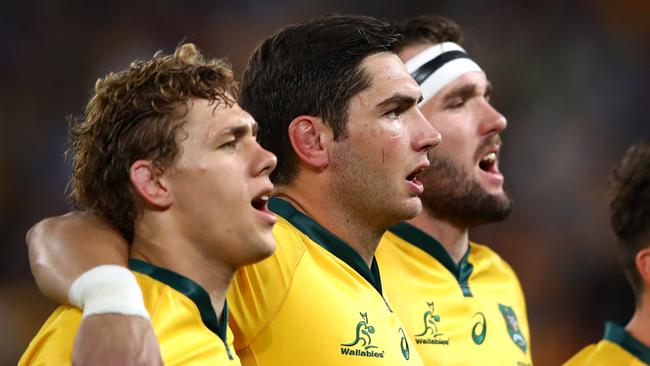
[466, 91]
[241, 130]
[400, 99]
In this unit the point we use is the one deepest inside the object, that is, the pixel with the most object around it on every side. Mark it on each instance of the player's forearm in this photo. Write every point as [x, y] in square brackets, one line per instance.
[64, 247]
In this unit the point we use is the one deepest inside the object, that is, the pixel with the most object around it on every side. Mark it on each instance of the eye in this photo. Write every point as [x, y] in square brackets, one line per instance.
[229, 145]
[394, 113]
[456, 103]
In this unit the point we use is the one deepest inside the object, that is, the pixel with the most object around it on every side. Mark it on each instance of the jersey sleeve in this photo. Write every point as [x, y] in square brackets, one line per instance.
[53, 343]
[259, 290]
[582, 358]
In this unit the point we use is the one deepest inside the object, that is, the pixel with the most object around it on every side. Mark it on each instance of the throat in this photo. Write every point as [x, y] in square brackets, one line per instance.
[454, 238]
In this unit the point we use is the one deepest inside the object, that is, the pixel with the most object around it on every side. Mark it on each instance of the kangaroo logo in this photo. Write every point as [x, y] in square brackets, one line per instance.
[431, 334]
[363, 334]
[363, 341]
[430, 321]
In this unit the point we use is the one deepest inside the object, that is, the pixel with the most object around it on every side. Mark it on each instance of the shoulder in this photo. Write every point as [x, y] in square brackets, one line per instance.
[604, 353]
[582, 357]
[54, 341]
[487, 259]
[259, 290]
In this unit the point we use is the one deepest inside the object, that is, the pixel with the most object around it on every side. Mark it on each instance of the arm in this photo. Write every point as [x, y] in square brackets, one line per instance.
[63, 248]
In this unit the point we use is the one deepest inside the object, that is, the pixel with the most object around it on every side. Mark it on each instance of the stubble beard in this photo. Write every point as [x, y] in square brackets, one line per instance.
[452, 195]
[365, 191]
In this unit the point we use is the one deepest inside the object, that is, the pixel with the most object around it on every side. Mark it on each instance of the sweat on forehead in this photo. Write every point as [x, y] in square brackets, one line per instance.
[439, 65]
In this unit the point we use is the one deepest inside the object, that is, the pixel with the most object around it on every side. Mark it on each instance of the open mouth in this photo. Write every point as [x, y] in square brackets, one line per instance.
[489, 163]
[260, 202]
[413, 177]
[415, 185]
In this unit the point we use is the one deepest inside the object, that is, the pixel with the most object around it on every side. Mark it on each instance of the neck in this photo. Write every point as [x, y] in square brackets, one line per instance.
[639, 325]
[452, 237]
[155, 243]
[360, 235]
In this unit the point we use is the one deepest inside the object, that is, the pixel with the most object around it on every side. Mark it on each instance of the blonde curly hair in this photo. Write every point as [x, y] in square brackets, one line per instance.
[136, 114]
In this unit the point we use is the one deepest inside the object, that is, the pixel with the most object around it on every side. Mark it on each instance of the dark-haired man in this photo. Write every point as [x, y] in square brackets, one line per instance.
[162, 153]
[629, 189]
[339, 108]
[460, 302]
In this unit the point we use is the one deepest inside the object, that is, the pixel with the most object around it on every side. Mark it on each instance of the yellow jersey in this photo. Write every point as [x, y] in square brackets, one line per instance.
[618, 347]
[314, 302]
[182, 316]
[472, 313]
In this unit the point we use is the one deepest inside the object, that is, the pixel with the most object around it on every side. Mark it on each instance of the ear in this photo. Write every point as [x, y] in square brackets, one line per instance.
[309, 137]
[643, 264]
[145, 178]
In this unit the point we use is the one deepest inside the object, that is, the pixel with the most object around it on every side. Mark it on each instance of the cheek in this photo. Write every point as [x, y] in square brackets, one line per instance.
[455, 136]
[395, 129]
[373, 131]
[392, 129]
[202, 167]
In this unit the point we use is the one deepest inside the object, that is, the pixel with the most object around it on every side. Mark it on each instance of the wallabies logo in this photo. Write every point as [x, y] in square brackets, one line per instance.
[430, 334]
[362, 344]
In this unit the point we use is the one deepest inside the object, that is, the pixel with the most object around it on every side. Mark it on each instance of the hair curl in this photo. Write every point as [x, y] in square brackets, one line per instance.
[136, 114]
[629, 188]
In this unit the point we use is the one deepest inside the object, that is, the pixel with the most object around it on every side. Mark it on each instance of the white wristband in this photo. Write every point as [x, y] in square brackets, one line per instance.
[108, 289]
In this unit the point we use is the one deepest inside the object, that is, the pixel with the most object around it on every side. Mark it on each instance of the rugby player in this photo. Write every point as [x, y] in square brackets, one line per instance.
[165, 155]
[338, 107]
[629, 190]
[461, 303]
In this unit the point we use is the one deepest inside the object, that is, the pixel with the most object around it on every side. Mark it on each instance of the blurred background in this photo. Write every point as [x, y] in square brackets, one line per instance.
[572, 77]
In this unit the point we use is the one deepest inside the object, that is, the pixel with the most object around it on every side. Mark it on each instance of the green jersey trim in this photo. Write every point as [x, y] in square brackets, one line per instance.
[617, 334]
[431, 246]
[327, 240]
[194, 292]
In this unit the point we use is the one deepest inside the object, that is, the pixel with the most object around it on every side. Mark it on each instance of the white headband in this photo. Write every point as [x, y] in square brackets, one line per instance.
[439, 65]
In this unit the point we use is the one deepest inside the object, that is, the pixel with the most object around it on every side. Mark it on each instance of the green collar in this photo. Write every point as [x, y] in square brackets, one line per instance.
[617, 334]
[420, 239]
[192, 290]
[327, 240]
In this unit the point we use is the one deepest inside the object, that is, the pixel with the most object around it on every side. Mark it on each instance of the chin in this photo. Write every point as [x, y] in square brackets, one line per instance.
[410, 209]
[499, 193]
[264, 248]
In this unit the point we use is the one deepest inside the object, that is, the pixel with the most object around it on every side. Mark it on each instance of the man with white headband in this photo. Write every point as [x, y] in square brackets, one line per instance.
[461, 303]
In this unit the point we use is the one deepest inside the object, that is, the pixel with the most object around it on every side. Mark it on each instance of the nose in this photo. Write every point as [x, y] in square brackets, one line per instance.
[426, 137]
[264, 162]
[492, 121]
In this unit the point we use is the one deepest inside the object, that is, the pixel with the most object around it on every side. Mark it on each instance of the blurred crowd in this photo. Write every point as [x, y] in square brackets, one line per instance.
[571, 77]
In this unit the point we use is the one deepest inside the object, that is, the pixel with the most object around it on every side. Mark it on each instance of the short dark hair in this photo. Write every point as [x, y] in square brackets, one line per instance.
[136, 114]
[311, 68]
[629, 188]
[428, 28]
